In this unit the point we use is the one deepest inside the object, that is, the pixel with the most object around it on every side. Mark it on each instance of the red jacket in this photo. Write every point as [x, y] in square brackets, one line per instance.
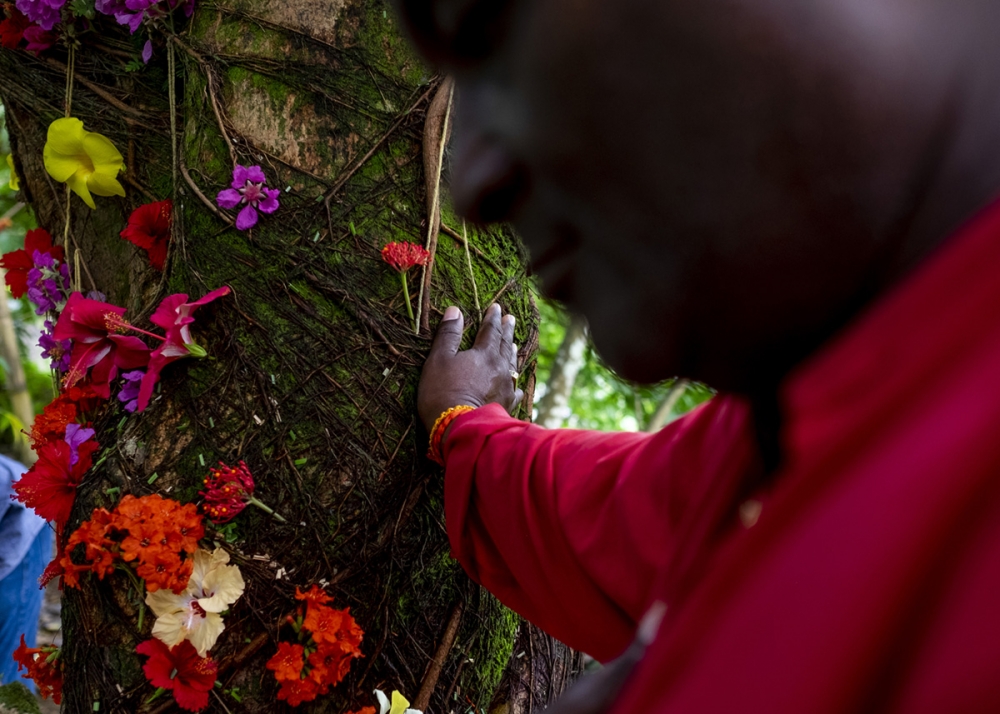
[870, 581]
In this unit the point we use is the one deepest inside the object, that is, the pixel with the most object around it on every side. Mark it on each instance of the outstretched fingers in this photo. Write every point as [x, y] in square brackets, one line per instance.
[449, 335]
[490, 332]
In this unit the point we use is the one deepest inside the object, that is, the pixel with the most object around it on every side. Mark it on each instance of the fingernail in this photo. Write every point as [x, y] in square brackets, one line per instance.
[495, 307]
[452, 313]
[510, 319]
[650, 623]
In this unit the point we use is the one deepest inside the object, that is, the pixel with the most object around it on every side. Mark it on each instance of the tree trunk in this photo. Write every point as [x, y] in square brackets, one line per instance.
[313, 362]
[553, 407]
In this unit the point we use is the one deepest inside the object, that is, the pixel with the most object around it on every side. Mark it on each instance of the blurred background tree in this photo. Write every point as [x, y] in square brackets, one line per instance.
[22, 368]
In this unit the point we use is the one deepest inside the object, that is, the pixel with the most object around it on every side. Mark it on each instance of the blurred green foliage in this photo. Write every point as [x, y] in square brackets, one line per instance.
[26, 323]
[601, 399]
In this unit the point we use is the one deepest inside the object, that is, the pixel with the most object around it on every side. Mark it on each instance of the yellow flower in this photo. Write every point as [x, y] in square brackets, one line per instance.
[86, 161]
[399, 704]
[195, 614]
[15, 183]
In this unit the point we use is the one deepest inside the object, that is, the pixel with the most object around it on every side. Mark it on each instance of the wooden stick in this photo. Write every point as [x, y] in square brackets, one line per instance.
[438, 660]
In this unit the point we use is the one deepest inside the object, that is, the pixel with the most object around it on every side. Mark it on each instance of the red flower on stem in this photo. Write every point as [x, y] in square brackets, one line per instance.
[12, 29]
[181, 670]
[228, 490]
[401, 257]
[98, 346]
[149, 228]
[17, 263]
[404, 255]
[43, 666]
[174, 316]
[49, 487]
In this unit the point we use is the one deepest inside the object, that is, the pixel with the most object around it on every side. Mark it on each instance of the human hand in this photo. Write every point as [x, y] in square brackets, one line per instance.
[479, 375]
[596, 693]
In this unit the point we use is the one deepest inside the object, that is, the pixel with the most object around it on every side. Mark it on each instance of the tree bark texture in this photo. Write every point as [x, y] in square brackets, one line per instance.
[313, 363]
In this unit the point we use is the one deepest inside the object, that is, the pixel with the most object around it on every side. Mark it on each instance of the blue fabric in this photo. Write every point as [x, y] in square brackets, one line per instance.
[20, 604]
[18, 525]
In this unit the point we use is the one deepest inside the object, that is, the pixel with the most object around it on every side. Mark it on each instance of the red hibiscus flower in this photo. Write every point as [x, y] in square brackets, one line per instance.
[94, 326]
[12, 29]
[17, 263]
[181, 669]
[49, 487]
[174, 316]
[149, 228]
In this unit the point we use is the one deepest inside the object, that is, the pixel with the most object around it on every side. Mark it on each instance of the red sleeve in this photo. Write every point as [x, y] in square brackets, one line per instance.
[571, 528]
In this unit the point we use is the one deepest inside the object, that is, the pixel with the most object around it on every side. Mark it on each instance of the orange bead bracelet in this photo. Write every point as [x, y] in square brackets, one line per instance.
[440, 427]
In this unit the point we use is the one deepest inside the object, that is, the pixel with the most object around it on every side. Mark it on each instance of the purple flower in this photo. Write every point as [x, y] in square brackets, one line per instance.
[56, 350]
[48, 283]
[248, 188]
[110, 7]
[129, 393]
[75, 436]
[127, 12]
[147, 51]
[44, 13]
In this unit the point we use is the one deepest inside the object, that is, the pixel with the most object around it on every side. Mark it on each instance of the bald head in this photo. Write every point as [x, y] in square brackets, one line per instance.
[717, 185]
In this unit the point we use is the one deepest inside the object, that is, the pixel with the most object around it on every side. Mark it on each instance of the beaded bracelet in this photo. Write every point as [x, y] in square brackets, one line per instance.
[440, 427]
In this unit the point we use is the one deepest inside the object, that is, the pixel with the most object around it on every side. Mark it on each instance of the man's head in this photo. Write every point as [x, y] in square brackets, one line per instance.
[715, 184]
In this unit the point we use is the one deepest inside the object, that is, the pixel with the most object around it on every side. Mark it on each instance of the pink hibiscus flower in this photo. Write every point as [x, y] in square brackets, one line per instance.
[174, 316]
[98, 346]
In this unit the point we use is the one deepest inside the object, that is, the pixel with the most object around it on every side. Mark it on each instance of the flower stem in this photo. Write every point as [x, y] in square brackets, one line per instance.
[406, 296]
[267, 509]
[155, 695]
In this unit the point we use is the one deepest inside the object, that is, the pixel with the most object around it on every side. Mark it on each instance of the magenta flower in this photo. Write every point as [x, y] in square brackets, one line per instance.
[248, 188]
[98, 346]
[38, 39]
[174, 316]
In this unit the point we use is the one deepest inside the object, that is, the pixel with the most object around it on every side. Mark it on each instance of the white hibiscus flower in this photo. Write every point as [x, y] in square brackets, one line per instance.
[194, 614]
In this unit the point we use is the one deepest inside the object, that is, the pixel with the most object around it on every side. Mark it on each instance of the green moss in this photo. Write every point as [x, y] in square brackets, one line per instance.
[17, 698]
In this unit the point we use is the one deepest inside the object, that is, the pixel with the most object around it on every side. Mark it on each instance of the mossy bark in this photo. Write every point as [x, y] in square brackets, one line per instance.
[313, 363]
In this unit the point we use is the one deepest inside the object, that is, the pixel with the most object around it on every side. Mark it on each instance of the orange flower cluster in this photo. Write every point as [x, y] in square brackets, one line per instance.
[43, 666]
[157, 535]
[329, 640]
[50, 425]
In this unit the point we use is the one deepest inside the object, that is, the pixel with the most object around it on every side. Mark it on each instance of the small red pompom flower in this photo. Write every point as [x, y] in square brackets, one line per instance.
[149, 228]
[404, 255]
[179, 669]
[228, 490]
